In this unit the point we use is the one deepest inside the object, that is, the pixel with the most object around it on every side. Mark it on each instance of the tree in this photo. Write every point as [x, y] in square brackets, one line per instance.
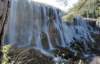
[85, 8]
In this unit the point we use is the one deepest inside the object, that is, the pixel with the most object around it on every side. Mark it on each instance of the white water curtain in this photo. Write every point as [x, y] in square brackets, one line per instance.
[20, 24]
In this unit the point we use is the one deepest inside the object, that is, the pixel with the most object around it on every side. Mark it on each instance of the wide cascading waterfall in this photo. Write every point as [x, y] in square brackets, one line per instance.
[32, 24]
[35, 25]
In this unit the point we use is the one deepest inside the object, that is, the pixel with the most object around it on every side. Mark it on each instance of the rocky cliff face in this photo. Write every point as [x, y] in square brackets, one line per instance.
[3, 12]
[3, 16]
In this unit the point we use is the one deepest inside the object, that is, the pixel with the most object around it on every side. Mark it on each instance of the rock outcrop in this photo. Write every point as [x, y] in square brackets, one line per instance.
[3, 12]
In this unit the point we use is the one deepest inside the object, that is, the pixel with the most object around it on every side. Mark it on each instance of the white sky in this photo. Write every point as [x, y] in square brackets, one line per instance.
[58, 4]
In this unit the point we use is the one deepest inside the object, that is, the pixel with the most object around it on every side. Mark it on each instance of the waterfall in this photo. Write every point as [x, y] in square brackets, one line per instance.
[39, 26]
[32, 24]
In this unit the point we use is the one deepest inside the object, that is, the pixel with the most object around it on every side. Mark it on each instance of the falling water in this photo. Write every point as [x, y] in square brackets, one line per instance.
[32, 24]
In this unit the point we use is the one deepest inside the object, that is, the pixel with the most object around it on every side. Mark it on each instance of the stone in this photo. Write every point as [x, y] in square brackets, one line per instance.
[28, 56]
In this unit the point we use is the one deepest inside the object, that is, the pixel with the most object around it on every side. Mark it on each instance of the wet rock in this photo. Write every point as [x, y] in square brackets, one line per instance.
[68, 56]
[54, 35]
[44, 40]
[28, 56]
[96, 48]
[96, 37]
[63, 52]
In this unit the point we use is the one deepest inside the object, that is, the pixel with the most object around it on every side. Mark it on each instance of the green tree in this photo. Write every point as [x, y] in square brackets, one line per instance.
[85, 8]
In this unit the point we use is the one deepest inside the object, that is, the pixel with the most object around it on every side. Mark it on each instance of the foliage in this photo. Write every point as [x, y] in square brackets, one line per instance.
[85, 8]
[5, 50]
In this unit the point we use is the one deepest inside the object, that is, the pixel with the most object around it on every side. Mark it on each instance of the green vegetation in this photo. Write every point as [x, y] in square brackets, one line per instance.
[85, 8]
[5, 50]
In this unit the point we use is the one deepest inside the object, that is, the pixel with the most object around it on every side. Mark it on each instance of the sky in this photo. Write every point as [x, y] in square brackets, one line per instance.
[59, 4]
